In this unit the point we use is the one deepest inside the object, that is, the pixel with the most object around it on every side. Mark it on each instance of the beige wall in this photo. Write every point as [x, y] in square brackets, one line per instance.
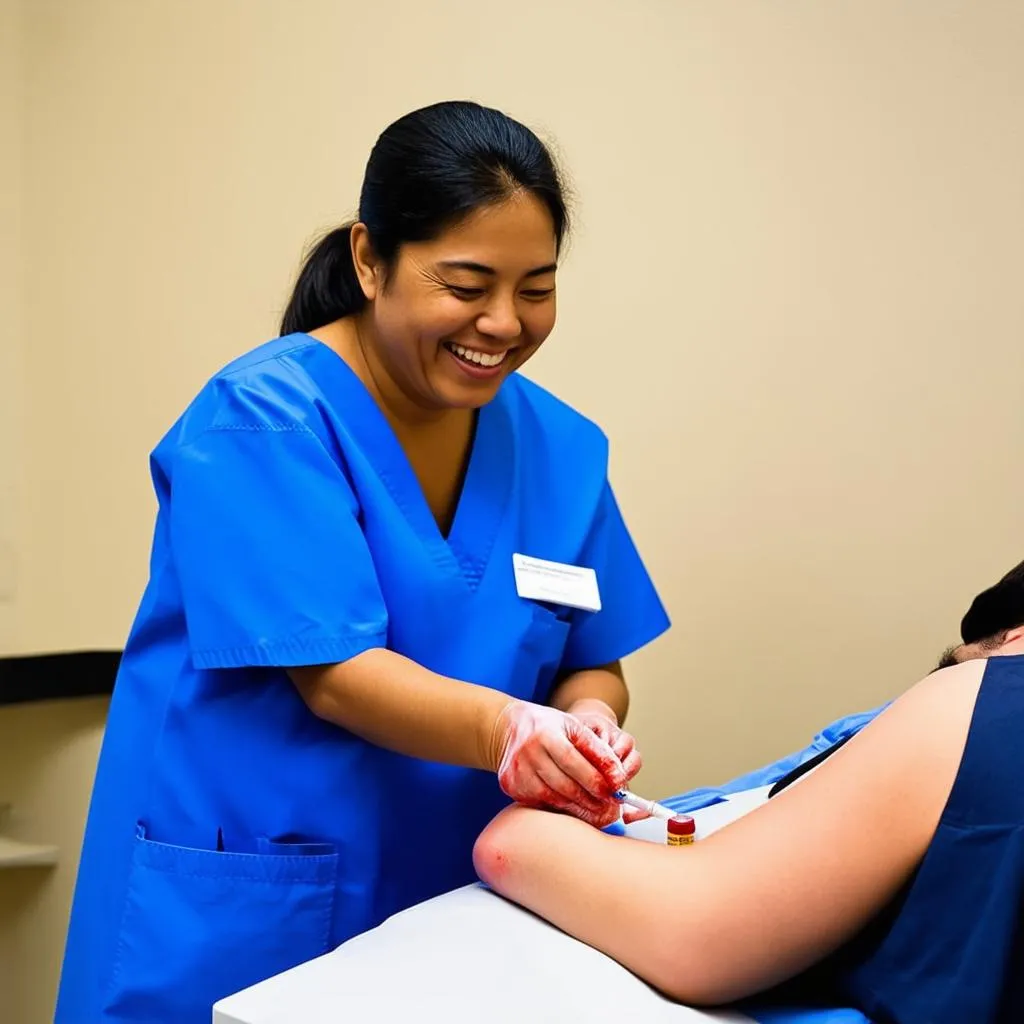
[47, 751]
[793, 301]
[12, 370]
[12, 382]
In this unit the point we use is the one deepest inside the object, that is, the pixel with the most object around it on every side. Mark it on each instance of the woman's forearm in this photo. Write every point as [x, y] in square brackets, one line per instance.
[605, 685]
[398, 704]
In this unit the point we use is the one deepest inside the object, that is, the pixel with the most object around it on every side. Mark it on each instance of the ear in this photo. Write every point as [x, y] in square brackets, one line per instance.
[1014, 635]
[364, 259]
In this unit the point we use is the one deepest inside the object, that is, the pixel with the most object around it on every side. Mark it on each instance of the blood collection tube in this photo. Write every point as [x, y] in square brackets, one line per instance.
[682, 830]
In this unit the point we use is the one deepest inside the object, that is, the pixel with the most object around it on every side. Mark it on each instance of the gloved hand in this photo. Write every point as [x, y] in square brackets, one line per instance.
[600, 718]
[547, 758]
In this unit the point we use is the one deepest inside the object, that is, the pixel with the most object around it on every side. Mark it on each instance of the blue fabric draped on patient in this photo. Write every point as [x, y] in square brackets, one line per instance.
[838, 731]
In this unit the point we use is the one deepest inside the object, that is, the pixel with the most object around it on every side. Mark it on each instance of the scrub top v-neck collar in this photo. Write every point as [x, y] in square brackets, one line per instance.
[486, 486]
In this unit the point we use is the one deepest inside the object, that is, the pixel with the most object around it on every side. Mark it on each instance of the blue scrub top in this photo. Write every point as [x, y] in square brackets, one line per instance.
[232, 834]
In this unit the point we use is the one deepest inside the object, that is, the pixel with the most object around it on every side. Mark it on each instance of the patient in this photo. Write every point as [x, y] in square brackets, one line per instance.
[896, 866]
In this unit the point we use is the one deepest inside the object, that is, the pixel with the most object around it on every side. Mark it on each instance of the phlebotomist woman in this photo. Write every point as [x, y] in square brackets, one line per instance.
[370, 620]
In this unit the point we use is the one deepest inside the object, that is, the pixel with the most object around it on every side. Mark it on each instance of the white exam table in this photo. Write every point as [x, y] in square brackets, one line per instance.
[470, 956]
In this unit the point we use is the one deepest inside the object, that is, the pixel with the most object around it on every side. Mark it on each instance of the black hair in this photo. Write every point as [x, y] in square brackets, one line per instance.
[993, 613]
[426, 172]
[996, 610]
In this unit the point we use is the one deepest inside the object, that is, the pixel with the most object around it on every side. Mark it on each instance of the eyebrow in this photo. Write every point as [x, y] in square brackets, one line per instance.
[480, 268]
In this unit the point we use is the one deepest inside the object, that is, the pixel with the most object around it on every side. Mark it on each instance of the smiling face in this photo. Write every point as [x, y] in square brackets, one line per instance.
[454, 316]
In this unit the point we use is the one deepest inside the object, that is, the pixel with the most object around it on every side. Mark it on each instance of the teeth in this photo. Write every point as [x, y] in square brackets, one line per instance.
[473, 356]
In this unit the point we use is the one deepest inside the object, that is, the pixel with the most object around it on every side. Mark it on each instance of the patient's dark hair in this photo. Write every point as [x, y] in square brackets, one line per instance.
[427, 171]
[993, 613]
[988, 643]
[996, 610]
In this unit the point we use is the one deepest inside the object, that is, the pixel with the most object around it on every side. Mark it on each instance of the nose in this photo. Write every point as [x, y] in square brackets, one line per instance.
[500, 320]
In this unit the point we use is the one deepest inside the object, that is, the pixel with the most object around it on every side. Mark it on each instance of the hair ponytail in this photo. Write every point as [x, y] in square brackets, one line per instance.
[327, 288]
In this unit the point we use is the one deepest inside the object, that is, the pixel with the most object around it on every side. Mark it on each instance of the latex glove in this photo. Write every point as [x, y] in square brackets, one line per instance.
[599, 718]
[548, 758]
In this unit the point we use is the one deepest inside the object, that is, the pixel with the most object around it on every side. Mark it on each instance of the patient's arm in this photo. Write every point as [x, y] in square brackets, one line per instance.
[770, 894]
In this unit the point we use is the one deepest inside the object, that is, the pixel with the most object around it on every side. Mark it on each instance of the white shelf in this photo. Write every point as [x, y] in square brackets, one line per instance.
[14, 854]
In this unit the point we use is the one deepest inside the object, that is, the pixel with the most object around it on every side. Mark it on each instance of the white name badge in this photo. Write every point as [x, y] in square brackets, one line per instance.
[556, 583]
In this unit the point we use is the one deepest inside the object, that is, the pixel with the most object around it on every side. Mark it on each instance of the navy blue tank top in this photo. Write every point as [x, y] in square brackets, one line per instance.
[950, 949]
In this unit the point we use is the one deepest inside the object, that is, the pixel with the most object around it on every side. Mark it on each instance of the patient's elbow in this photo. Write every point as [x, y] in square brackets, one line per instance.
[501, 854]
[490, 859]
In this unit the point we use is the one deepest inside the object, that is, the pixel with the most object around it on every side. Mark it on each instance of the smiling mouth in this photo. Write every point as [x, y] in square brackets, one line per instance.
[474, 357]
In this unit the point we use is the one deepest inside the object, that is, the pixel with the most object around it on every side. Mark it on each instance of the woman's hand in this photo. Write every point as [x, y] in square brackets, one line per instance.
[601, 719]
[547, 758]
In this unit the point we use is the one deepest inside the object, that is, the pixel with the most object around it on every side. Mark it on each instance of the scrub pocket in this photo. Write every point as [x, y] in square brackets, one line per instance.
[540, 654]
[199, 925]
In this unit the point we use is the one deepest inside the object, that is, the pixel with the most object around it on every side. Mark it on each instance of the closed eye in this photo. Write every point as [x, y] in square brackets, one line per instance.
[465, 293]
[468, 294]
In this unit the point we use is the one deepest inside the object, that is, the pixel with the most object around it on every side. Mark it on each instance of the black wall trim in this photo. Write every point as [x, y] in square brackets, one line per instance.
[56, 676]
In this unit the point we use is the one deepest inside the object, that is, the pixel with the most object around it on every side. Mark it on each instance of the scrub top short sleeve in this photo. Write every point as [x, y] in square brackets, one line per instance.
[273, 566]
[631, 613]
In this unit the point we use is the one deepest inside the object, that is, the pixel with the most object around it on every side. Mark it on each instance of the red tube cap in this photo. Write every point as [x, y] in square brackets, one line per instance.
[681, 825]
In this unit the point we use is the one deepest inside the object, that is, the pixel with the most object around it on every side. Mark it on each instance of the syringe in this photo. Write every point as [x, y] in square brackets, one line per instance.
[654, 809]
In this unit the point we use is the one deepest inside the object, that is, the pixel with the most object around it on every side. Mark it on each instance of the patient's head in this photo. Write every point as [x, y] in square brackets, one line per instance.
[994, 624]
